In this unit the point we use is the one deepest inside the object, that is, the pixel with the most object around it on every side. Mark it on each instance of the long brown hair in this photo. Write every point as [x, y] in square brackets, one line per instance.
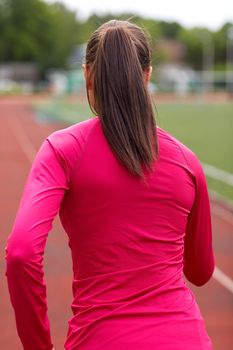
[118, 54]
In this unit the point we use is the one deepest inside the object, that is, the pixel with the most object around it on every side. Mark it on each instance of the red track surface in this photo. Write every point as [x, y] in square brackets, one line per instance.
[19, 131]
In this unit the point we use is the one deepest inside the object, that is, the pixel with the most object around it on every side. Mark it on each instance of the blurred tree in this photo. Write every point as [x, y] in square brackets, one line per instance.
[220, 41]
[3, 27]
[194, 40]
[169, 30]
[33, 30]
[66, 33]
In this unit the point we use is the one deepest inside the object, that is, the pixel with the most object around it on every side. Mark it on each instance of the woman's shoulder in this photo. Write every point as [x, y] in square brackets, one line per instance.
[68, 143]
[77, 130]
[73, 136]
[189, 156]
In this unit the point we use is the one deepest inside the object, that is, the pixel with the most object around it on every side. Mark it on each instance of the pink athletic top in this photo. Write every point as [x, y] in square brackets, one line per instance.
[130, 241]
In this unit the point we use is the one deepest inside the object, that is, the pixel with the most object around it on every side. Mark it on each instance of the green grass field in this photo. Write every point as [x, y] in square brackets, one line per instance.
[207, 129]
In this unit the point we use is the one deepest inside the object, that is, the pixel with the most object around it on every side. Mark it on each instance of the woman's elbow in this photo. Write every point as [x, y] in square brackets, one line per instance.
[199, 278]
[201, 281]
[17, 254]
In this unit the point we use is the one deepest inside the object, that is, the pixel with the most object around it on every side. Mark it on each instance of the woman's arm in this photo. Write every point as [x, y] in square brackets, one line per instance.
[198, 251]
[46, 184]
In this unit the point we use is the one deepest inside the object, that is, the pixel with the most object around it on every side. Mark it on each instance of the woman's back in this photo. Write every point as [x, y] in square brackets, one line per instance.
[127, 242]
[131, 236]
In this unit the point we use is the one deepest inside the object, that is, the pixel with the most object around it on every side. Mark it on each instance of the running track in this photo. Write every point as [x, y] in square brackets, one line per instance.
[20, 137]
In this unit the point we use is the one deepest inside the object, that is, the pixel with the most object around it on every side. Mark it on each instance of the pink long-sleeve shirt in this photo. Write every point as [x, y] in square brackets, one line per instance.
[131, 241]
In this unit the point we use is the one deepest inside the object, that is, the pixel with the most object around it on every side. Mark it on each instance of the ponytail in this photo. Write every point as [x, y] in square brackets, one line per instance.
[122, 100]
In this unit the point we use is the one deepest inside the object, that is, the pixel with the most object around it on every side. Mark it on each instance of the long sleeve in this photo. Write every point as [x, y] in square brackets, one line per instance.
[198, 251]
[44, 189]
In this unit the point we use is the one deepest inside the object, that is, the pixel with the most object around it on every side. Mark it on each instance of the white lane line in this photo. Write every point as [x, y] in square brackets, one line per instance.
[23, 140]
[218, 174]
[223, 213]
[219, 197]
[223, 279]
